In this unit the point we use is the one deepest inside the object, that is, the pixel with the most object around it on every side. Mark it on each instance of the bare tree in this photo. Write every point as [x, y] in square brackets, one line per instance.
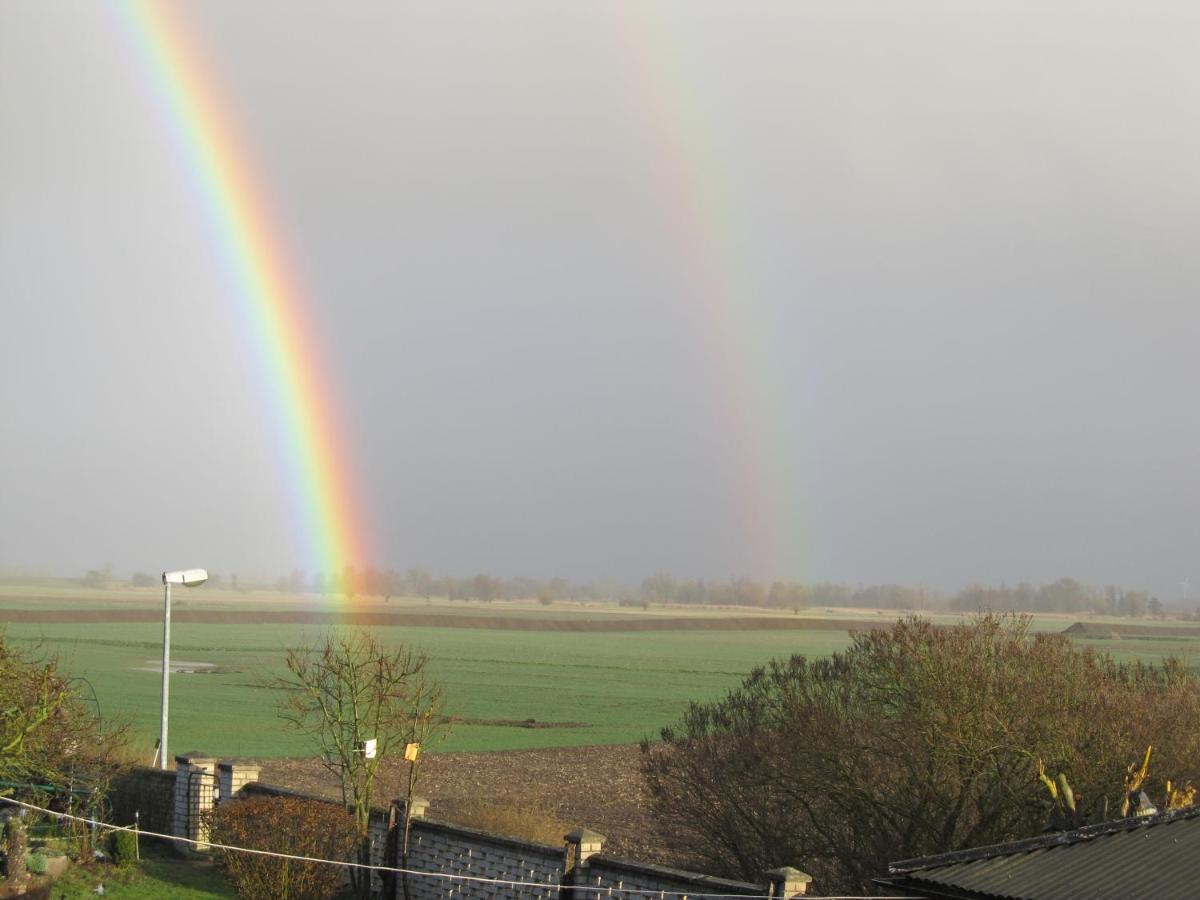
[348, 690]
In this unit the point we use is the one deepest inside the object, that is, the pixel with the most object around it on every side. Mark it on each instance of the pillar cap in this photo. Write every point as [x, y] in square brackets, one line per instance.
[240, 763]
[787, 873]
[195, 756]
[584, 836]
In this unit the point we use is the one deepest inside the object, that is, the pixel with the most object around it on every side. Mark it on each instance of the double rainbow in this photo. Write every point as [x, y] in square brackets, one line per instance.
[703, 222]
[320, 470]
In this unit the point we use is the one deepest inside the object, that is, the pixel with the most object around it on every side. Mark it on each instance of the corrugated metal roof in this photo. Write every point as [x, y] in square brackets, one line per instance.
[1153, 856]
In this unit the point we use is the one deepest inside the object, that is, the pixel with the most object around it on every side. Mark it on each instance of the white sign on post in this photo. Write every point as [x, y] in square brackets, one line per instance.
[369, 748]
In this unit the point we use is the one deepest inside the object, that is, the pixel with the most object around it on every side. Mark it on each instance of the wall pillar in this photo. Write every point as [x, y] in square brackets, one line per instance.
[195, 785]
[420, 806]
[787, 882]
[582, 843]
[232, 776]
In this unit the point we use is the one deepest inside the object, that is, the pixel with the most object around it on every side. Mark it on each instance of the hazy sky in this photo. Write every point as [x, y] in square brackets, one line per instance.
[892, 291]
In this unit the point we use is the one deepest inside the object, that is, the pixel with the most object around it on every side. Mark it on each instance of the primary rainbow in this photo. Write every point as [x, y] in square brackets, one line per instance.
[269, 297]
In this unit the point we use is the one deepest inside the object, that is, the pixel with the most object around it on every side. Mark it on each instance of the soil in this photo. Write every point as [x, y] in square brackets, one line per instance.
[597, 787]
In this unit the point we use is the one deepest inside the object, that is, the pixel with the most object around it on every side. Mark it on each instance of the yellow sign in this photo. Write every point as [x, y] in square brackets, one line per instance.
[411, 752]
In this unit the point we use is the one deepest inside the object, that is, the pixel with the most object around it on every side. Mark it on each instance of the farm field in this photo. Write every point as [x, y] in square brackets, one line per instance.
[563, 669]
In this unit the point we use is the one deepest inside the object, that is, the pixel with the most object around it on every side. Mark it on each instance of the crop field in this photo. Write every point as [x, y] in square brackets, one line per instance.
[516, 676]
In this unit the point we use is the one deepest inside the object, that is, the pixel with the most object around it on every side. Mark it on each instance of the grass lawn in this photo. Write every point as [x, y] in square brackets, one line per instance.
[156, 878]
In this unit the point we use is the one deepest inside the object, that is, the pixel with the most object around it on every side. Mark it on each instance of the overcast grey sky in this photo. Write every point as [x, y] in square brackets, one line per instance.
[956, 242]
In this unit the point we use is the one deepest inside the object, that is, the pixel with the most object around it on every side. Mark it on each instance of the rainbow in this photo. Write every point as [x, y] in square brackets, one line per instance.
[701, 218]
[724, 312]
[267, 289]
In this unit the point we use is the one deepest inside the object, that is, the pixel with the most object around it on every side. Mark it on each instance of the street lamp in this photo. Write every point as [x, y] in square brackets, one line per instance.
[188, 578]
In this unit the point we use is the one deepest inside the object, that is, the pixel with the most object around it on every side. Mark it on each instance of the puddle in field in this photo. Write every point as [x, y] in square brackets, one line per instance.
[178, 667]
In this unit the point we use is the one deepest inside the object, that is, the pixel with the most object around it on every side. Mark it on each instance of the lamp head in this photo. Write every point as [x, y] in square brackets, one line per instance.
[186, 577]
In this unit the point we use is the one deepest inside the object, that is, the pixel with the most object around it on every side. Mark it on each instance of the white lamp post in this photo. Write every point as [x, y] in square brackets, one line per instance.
[188, 578]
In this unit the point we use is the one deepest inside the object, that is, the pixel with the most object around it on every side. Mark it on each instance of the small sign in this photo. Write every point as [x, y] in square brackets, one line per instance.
[412, 751]
[369, 748]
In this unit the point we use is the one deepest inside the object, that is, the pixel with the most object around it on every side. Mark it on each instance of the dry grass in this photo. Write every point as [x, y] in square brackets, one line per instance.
[529, 819]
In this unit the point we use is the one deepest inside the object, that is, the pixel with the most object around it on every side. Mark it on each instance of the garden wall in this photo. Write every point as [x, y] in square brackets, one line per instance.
[461, 862]
[147, 796]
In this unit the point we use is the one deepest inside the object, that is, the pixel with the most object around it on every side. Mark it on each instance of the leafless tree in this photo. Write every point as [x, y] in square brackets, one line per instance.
[348, 689]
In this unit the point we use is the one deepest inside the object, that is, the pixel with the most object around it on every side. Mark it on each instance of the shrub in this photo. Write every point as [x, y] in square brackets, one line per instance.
[37, 864]
[122, 848]
[915, 740]
[284, 825]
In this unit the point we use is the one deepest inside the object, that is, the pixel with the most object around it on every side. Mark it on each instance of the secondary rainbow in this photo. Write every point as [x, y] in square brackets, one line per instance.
[724, 312]
[267, 291]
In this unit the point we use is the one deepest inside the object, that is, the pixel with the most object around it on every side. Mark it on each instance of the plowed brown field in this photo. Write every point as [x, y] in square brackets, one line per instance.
[597, 787]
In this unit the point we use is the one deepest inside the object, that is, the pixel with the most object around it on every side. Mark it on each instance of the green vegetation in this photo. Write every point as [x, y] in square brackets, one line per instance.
[153, 879]
[621, 685]
[122, 849]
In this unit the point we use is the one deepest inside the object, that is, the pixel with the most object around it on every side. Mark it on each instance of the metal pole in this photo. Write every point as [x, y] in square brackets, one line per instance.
[166, 671]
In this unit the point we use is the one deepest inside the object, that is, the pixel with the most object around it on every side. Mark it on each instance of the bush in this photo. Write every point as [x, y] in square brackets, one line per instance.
[284, 825]
[122, 848]
[37, 864]
[915, 740]
[49, 733]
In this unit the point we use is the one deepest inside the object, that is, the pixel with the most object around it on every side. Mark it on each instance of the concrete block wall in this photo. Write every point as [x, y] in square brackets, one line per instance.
[454, 850]
[603, 876]
[577, 869]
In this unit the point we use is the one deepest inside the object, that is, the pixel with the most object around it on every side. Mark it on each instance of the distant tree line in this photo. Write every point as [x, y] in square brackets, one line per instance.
[1066, 595]
[784, 595]
[1063, 596]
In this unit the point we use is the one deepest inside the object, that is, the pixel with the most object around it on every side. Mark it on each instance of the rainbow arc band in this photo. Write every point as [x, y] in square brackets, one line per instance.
[265, 282]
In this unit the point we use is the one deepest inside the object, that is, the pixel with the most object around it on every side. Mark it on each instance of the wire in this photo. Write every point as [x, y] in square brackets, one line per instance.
[600, 890]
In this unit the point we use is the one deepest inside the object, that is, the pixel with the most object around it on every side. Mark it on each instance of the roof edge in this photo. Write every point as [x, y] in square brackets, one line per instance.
[1087, 832]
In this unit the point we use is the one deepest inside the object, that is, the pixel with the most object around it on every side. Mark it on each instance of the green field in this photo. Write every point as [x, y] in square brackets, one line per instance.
[621, 685]
[595, 687]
